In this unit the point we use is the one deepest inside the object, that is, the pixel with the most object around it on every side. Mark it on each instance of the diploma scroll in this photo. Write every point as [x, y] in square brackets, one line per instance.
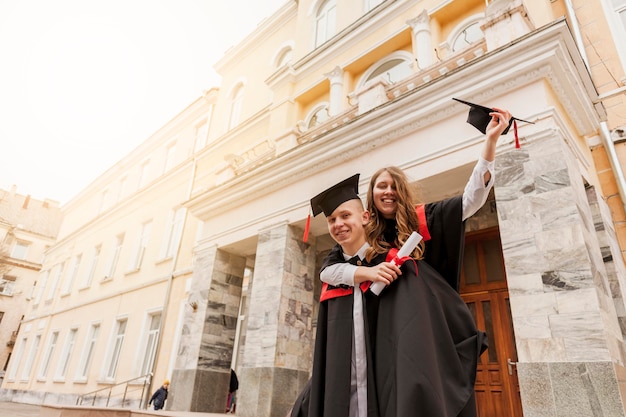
[404, 251]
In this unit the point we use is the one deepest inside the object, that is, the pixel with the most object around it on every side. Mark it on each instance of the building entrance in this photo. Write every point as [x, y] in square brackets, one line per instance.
[484, 290]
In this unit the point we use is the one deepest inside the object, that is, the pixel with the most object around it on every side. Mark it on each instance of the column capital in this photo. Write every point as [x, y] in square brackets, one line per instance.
[335, 76]
[420, 22]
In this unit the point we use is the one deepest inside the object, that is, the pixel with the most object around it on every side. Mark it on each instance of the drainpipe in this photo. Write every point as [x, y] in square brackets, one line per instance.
[605, 134]
[168, 290]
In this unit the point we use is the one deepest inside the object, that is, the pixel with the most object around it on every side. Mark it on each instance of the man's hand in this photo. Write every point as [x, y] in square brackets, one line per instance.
[385, 272]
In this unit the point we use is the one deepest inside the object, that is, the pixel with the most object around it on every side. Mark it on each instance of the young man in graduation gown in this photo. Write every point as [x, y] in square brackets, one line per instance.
[412, 351]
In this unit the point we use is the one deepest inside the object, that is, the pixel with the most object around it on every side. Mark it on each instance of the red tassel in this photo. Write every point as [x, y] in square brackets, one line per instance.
[305, 238]
[517, 145]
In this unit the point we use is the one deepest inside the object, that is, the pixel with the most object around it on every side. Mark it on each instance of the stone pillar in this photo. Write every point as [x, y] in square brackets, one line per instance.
[336, 91]
[422, 41]
[202, 371]
[279, 338]
[567, 332]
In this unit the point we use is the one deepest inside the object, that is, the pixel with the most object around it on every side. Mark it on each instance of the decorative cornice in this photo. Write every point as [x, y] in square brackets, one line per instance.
[546, 54]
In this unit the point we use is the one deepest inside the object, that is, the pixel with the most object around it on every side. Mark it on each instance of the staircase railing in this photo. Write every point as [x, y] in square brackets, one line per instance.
[130, 387]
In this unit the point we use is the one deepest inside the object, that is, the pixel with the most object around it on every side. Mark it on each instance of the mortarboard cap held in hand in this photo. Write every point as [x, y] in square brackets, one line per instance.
[479, 118]
[331, 198]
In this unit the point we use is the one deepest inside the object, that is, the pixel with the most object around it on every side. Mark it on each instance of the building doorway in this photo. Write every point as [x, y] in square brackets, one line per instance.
[484, 290]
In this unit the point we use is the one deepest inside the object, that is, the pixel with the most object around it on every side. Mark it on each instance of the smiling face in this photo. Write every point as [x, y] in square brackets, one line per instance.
[346, 225]
[385, 195]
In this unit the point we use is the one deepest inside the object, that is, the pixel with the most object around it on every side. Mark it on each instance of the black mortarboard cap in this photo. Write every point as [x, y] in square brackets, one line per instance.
[328, 200]
[479, 116]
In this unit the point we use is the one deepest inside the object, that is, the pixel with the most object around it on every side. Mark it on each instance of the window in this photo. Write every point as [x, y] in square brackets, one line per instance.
[284, 58]
[140, 246]
[88, 278]
[170, 151]
[47, 358]
[319, 116]
[17, 358]
[88, 352]
[393, 68]
[370, 4]
[66, 354]
[235, 106]
[202, 131]
[73, 273]
[28, 366]
[115, 257]
[20, 250]
[143, 173]
[55, 281]
[41, 287]
[117, 341]
[121, 188]
[173, 232]
[152, 338]
[467, 36]
[7, 285]
[1, 316]
[104, 201]
[325, 22]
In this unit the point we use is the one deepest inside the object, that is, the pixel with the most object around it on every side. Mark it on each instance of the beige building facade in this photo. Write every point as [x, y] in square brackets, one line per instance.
[28, 227]
[186, 258]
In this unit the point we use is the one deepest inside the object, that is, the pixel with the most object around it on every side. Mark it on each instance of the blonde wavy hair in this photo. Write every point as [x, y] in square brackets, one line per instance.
[406, 218]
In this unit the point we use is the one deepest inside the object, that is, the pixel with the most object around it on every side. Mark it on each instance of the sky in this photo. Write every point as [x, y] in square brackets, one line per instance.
[84, 82]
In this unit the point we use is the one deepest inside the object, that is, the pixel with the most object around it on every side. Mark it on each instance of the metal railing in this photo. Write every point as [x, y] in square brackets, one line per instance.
[130, 388]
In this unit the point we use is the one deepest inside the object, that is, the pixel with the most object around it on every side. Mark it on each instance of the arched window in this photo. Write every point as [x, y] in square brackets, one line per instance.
[325, 22]
[394, 67]
[317, 116]
[467, 36]
[235, 106]
[284, 58]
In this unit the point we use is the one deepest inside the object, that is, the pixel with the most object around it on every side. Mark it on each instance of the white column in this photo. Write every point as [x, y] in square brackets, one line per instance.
[336, 90]
[422, 41]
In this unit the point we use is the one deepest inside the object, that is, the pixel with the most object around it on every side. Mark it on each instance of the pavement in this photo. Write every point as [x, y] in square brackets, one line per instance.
[11, 409]
[8, 409]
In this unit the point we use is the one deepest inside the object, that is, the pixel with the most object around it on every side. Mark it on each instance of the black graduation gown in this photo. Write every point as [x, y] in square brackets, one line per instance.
[421, 341]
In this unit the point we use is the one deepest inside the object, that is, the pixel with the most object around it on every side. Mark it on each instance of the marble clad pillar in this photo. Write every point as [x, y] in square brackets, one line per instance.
[567, 330]
[202, 370]
[279, 338]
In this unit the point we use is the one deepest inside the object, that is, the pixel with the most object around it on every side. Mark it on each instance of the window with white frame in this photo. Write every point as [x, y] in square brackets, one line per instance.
[121, 187]
[235, 106]
[140, 246]
[318, 116]
[202, 131]
[17, 359]
[173, 232]
[144, 170]
[20, 249]
[66, 354]
[170, 153]
[325, 22]
[7, 284]
[151, 340]
[88, 352]
[104, 201]
[30, 360]
[115, 256]
[41, 287]
[468, 35]
[47, 357]
[393, 68]
[93, 264]
[285, 57]
[370, 4]
[618, 24]
[55, 281]
[115, 348]
[72, 274]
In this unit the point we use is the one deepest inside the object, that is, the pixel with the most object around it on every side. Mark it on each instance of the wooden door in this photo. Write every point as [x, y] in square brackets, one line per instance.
[483, 287]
